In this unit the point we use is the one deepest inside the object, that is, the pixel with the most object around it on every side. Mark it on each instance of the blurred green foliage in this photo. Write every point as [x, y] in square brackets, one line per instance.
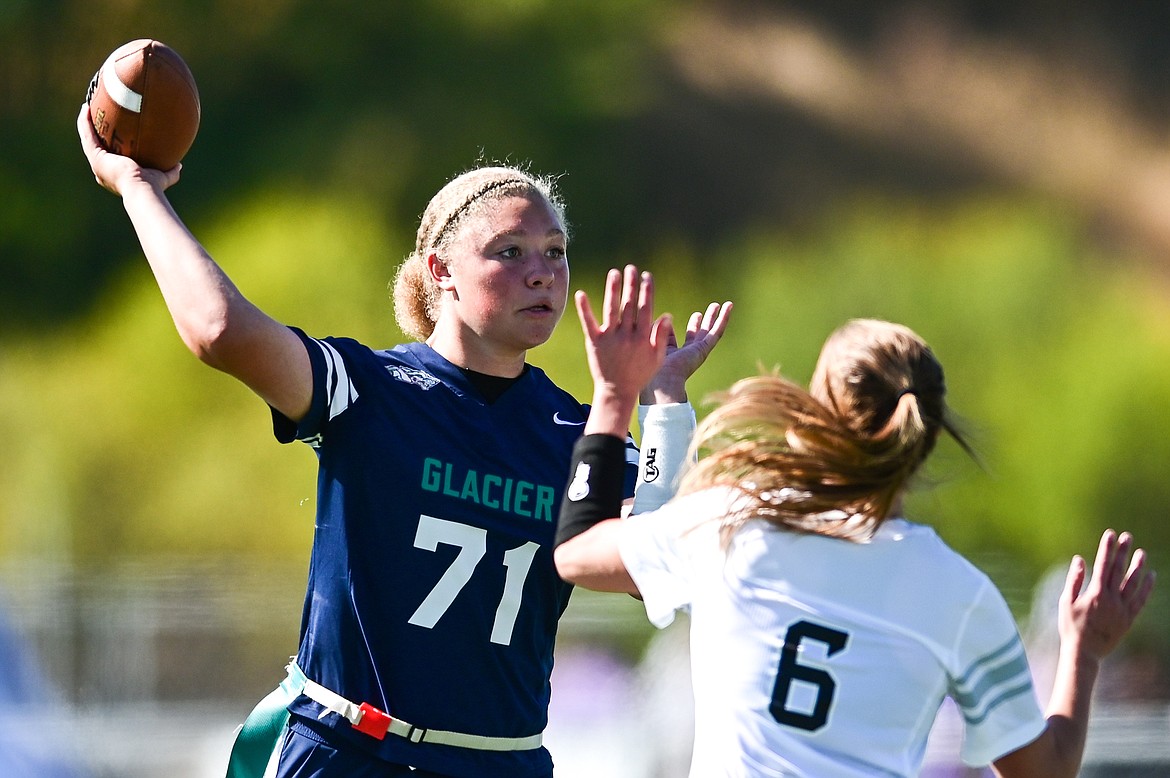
[1063, 377]
[326, 128]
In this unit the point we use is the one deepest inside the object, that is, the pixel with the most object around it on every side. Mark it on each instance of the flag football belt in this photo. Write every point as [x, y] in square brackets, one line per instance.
[376, 723]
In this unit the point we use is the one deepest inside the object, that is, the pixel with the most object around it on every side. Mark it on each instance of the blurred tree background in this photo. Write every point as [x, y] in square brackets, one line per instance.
[994, 174]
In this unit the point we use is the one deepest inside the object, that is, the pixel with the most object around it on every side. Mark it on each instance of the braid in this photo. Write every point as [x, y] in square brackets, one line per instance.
[440, 235]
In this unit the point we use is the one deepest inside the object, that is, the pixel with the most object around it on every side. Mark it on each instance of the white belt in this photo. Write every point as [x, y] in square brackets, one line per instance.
[376, 723]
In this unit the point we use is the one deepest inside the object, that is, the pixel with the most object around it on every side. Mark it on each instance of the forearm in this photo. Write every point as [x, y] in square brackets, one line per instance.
[1068, 709]
[1059, 749]
[610, 412]
[592, 560]
[586, 545]
[666, 436]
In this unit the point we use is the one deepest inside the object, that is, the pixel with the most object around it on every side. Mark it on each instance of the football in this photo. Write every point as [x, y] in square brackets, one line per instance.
[144, 104]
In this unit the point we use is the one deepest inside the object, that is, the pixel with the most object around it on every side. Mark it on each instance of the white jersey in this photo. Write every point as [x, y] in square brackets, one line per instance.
[814, 656]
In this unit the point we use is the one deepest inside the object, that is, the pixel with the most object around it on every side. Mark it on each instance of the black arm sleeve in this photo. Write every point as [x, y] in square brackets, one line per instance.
[594, 492]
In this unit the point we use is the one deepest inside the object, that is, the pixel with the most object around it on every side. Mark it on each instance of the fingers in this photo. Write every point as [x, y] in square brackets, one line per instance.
[1103, 564]
[611, 306]
[630, 294]
[1120, 560]
[1138, 583]
[629, 299]
[1117, 571]
[1113, 557]
[171, 177]
[83, 121]
[585, 314]
[709, 324]
[1100, 616]
[699, 322]
[662, 335]
[626, 348]
[645, 305]
[722, 314]
[84, 126]
[671, 340]
[628, 308]
[1073, 581]
[86, 132]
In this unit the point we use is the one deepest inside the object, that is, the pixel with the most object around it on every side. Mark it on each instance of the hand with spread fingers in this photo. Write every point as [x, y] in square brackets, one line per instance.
[624, 349]
[704, 329]
[1094, 618]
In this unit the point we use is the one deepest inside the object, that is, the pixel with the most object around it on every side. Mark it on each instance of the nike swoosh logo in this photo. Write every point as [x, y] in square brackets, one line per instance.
[558, 420]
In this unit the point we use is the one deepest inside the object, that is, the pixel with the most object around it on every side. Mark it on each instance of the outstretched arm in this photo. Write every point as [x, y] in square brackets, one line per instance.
[1091, 624]
[217, 323]
[623, 350]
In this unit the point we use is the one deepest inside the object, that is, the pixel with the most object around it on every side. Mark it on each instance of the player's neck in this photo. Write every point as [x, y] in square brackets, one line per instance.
[897, 509]
[477, 355]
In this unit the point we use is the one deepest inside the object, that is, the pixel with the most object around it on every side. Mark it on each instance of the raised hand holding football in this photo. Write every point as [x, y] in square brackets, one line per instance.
[144, 104]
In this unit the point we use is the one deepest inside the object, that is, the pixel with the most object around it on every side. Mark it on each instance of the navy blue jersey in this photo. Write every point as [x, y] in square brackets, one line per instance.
[432, 593]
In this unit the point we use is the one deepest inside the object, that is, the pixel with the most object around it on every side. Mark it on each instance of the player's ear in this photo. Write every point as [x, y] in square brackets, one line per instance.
[439, 272]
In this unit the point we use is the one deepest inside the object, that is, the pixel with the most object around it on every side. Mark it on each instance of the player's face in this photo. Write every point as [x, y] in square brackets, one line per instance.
[510, 273]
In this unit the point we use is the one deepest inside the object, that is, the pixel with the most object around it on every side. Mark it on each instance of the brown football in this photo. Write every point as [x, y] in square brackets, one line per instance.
[144, 104]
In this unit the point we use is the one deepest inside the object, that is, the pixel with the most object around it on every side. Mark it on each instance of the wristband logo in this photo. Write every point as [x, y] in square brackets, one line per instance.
[579, 487]
[650, 470]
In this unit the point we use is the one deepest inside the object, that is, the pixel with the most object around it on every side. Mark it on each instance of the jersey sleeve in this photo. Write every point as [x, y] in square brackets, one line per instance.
[333, 392]
[664, 551]
[993, 684]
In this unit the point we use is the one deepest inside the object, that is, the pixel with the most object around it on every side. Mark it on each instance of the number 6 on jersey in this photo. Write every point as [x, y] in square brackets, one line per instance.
[791, 670]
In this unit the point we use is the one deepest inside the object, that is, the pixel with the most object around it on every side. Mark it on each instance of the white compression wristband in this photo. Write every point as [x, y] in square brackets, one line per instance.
[666, 435]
